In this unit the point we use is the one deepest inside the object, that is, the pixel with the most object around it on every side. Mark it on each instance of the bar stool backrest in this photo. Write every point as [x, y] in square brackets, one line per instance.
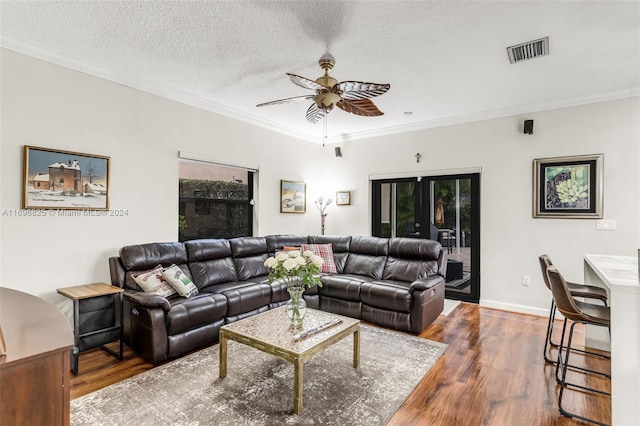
[545, 262]
[562, 296]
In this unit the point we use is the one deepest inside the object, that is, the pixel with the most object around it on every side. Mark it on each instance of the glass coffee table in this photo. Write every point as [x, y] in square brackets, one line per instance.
[270, 333]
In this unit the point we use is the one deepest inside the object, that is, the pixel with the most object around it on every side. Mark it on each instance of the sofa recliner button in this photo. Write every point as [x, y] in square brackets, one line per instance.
[134, 311]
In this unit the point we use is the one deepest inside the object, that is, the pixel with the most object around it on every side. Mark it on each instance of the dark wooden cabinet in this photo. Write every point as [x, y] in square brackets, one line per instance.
[34, 373]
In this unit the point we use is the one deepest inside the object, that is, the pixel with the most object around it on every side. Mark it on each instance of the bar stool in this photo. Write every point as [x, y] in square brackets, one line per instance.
[579, 313]
[576, 290]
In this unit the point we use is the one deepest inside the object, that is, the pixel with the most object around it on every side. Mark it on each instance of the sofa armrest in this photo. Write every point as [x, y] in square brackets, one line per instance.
[426, 283]
[148, 300]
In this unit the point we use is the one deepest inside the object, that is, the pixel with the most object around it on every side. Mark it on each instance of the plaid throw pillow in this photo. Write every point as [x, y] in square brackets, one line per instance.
[325, 251]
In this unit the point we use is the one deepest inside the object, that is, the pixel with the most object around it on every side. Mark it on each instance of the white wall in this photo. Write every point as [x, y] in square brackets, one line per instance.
[50, 106]
[511, 240]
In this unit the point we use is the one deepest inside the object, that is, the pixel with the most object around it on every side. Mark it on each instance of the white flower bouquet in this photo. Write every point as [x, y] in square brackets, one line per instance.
[295, 268]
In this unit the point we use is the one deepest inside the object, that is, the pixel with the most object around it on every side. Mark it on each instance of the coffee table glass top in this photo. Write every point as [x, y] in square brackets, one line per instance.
[272, 327]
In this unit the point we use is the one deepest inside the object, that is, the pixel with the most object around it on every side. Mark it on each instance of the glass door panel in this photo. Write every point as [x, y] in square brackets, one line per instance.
[454, 209]
[443, 208]
[397, 210]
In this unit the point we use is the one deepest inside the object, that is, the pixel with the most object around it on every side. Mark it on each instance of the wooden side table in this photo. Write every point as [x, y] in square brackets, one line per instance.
[97, 318]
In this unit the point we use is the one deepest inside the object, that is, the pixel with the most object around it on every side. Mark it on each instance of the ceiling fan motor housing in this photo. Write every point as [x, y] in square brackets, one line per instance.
[327, 81]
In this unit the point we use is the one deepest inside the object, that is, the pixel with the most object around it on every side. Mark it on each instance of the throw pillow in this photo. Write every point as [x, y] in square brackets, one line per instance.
[288, 249]
[325, 251]
[179, 281]
[152, 282]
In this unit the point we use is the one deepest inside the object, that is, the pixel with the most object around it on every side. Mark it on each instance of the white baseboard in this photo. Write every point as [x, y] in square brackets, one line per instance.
[523, 309]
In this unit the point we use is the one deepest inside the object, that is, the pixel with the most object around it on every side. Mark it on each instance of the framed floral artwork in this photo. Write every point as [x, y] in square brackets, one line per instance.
[568, 187]
[55, 179]
[293, 197]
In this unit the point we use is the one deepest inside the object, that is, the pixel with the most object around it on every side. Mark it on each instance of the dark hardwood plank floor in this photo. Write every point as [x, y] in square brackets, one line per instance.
[492, 373]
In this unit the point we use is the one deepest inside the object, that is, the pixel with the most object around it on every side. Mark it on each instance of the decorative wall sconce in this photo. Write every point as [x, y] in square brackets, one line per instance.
[322, 204]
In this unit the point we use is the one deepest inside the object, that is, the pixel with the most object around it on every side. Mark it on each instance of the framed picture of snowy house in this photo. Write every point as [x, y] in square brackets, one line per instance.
[55, 179]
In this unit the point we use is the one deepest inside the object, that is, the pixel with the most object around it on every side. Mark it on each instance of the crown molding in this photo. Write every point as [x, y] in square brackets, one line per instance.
[492, 114]
[177, 95]
[145, 85]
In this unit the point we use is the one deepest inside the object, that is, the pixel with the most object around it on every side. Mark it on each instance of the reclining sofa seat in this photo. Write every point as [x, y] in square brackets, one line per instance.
[155, 327]
[365, 261]
[410, 295]
[235, 269]
[389, 282]
[397, 283]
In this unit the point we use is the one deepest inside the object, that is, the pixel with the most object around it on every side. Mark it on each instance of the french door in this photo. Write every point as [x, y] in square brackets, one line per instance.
[442, 208]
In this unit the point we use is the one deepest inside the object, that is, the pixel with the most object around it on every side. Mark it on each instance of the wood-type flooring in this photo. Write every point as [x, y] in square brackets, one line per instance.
[492, 373]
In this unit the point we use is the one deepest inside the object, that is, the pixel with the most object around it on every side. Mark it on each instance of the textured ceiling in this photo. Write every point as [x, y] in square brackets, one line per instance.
[446, 61]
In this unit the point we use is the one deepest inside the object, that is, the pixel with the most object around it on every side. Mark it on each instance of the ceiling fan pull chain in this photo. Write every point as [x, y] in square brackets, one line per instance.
[324, 129]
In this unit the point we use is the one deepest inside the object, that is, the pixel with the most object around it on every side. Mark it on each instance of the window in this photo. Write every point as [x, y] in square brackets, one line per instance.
[214, 201]
[203, 207]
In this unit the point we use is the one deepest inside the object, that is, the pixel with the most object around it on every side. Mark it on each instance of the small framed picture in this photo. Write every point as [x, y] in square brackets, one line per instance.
[56, 179]
[568, 187]
[293, 197]
[343, 198]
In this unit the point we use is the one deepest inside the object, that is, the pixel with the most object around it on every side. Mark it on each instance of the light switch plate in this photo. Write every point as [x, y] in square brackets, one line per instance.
[606, 225]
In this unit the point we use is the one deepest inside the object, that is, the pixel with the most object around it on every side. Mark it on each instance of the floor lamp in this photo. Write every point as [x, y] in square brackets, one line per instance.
[322, 204]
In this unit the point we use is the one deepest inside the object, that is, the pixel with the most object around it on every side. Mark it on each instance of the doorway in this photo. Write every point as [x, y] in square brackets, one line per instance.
[441, 208]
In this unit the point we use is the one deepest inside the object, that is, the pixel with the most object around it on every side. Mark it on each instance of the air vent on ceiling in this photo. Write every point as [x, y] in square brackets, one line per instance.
[528, 50]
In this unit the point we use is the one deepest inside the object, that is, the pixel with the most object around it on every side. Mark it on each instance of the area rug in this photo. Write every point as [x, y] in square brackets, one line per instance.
[258, 389]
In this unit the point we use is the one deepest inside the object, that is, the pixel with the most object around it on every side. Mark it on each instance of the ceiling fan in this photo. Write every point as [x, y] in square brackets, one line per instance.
[350, 96]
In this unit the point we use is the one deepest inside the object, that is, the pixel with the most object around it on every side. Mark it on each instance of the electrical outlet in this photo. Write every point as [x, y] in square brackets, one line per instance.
[526, 280]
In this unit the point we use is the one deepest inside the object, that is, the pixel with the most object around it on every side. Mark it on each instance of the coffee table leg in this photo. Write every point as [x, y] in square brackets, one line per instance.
[297, 386]
[223, 356]
[356, 348]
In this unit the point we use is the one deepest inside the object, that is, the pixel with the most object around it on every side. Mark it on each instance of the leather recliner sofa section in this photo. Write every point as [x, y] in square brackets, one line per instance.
[396, 283]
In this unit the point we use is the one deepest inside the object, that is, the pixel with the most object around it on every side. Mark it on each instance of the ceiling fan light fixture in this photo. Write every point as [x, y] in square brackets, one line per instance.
[326, 100]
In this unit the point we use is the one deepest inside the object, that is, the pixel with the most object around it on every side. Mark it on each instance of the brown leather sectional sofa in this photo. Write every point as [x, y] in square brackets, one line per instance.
[396, 283]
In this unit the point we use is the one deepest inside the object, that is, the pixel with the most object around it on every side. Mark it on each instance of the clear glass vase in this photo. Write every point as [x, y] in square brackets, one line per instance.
[296, 306]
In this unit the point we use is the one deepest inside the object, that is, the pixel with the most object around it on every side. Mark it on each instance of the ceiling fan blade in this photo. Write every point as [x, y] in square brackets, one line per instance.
[361, 89]
[364, 107]
[305, 82]
[314, 113]
[286, 100]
